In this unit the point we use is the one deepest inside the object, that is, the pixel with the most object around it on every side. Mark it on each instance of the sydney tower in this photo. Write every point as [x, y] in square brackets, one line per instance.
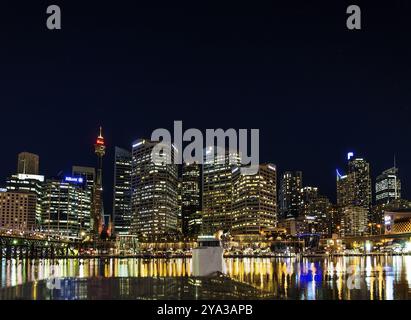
[98, 209]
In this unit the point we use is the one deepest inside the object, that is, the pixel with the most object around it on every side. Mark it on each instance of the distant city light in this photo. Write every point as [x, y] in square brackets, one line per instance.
[350, 155]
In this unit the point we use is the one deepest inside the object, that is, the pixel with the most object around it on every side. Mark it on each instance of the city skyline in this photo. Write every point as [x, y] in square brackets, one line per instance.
[314, 89]
[205, 150]
[108, 180]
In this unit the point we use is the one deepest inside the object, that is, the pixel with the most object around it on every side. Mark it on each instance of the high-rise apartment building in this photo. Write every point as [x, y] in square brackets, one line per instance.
[217, 180]
[28, 163]
[290, 194]
[191, 199]
[154, 191]
[122, 191]
[254, 206]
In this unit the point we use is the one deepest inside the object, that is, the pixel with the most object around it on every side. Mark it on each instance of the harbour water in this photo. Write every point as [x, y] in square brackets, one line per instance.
[338, 278]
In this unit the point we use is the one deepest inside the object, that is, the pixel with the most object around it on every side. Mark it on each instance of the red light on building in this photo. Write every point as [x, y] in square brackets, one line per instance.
[100, 141]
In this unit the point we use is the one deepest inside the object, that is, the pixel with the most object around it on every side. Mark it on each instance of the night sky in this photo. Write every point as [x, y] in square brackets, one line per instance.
[314, 89]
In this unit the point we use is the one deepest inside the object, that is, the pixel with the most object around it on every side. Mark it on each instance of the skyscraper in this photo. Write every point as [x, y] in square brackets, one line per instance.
[354, 192]
[154, 192]
[191, 199]
[387, 186]
[65, 203]
[122, 191]
[28, 163]
[217, 189]
[254, 200]
[290, 194]
[98, 208]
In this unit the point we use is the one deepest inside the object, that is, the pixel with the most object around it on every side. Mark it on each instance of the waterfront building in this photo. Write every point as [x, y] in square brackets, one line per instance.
[397, 221]
[191, 199]
[154, 192]
[290, 194]
[28, 163]
[217, 181]
[28, 183]
[18, 210]
[254, 206]
[66, 204]
[122, 191]
[379, 210]
[387, 186]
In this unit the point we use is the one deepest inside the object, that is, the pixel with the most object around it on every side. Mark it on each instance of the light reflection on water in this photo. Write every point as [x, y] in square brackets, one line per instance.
[276, 278]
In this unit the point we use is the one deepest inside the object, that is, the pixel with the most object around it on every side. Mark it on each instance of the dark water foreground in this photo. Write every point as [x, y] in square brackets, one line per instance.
[342, 278]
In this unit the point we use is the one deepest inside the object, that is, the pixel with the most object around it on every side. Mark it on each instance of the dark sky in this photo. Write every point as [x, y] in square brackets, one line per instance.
[314, 89]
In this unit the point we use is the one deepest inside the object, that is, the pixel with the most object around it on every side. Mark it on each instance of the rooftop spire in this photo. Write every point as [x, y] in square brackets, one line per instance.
[101, 133]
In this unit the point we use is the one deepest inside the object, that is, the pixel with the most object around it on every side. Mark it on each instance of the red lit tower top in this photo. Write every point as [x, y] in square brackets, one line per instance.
[100, 147]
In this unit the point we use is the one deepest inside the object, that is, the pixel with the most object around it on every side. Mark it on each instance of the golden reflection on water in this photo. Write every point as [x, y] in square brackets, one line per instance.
[380, 277]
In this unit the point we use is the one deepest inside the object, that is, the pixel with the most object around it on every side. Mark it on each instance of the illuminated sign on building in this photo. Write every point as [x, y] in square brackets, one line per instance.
[23, 176]
[350, 155]
[3, 190]
[74, 179]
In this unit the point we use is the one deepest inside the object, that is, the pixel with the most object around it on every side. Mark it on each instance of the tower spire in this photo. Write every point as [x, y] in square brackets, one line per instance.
[101, 133]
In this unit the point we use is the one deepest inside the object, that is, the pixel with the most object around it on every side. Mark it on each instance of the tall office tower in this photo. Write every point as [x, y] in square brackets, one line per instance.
[28, 183]
[122, 191]
[387, 186]
[290, 194]
[154, 191]
[17, 210]
[217, 189]
[354, 191]
[65, 202]
[191, 199]
[254, 206]
[28, 163]
[89, 176]
[98, 208]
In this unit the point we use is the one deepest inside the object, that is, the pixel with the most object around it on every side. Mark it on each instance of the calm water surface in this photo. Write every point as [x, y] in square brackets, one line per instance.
[375, 278]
